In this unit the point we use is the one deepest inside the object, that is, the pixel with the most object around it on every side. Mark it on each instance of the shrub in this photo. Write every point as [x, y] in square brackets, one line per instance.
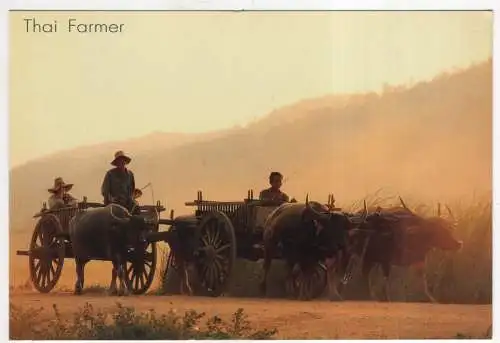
[124, 323]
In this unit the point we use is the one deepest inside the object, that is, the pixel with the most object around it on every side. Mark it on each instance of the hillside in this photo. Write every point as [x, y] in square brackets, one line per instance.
[432, 141]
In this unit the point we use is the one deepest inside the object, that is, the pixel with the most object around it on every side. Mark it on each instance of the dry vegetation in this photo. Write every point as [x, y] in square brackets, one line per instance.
[124, 323]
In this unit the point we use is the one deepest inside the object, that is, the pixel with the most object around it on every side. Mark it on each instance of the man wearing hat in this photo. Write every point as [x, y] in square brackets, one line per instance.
[119, 183]
[60, 196]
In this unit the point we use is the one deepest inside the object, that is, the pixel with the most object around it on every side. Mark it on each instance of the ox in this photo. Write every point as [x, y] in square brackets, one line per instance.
[105, 233]
[308, 233]
[399, 237]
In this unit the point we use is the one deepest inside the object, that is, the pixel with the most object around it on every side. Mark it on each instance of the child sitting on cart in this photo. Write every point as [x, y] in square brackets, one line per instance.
[274, 194]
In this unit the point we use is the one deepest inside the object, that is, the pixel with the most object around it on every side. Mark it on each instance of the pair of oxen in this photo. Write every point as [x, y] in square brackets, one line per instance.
[310, 234]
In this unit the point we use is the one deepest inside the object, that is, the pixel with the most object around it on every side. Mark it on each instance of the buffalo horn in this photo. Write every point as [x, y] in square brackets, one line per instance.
[449, 211]
[365, 212]
[403, 203]
[316, 214]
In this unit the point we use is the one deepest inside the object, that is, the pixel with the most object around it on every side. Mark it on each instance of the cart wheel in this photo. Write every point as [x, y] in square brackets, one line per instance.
[141, 268]
[47, 252]
[308, 284]
[216, 253]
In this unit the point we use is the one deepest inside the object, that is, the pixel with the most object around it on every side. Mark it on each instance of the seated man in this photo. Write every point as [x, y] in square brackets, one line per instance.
[274, 194]
[60, 198]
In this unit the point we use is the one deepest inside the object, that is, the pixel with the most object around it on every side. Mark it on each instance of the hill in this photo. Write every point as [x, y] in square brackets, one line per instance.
[431, 141]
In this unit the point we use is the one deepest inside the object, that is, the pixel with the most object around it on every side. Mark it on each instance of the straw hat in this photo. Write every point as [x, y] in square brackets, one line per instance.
[121, 155]
[58, 184]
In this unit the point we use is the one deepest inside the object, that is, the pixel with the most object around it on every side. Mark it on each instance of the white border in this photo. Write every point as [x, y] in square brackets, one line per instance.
[248, 5]
[252, 5]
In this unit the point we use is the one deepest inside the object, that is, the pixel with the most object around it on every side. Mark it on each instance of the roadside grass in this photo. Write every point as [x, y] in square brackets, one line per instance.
[124, 323]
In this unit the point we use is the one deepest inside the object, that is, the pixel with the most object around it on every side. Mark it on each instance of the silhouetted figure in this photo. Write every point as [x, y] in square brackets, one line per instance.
[274, 194]
[118, 185]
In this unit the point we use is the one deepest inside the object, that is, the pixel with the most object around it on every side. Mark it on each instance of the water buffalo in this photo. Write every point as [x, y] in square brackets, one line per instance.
[308, 233]
[105, 233]
[397, 236]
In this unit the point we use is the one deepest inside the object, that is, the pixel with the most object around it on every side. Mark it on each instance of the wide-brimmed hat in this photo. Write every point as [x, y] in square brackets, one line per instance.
[121, 155]
[58, 184]
[137, 193]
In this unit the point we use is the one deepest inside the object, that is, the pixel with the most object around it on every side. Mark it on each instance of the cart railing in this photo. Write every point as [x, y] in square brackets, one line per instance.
[243, 214]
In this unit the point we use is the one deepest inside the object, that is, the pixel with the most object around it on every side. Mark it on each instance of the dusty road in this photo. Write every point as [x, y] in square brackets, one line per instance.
[295, 320]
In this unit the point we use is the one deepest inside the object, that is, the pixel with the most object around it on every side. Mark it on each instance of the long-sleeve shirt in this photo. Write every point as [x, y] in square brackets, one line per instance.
[56, 202]
[118, 186]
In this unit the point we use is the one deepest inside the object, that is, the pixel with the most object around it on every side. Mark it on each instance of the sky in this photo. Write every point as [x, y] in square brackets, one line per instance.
[203, 71]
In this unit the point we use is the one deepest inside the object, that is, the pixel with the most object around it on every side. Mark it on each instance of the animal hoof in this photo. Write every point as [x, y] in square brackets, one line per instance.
[112, 292]
[78, 291]
[431, 299]
[335, 298]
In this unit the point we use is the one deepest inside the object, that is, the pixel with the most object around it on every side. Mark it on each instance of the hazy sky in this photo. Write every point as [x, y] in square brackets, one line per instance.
[193, 72]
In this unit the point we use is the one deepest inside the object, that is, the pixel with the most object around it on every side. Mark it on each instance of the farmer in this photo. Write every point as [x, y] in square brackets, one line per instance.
[274, 193]
[118, 185]
[60, 197]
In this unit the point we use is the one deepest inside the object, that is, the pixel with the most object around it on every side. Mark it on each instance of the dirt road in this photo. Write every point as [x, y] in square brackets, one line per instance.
[295, 320]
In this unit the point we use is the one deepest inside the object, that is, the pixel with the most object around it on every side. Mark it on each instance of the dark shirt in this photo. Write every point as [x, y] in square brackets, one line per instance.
[118, 186]
[270, 195]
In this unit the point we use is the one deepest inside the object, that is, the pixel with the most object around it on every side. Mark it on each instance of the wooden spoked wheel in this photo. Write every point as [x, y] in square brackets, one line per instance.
[140, 268]
[47, 251]
[307, 284]
[216, 253]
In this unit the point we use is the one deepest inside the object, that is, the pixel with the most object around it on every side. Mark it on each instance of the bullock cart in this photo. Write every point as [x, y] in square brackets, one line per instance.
[50, 245]
[222, 231]
[214, 236]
